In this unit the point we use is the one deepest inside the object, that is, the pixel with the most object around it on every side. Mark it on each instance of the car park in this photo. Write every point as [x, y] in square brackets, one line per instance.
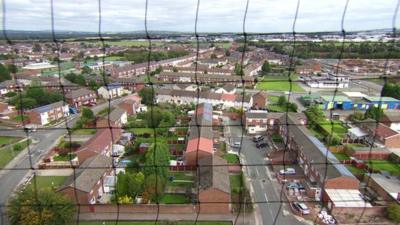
[258, 138]
[301, 207]
[287, 171]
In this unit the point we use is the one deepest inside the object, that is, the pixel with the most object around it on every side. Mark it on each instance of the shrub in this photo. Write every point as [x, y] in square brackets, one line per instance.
[393, 212]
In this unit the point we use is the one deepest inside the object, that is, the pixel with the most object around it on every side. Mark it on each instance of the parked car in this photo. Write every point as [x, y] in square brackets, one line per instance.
[236, 144]
[258, 138]
[294, 185]
[287, 171]
[261, 144]
[301, 207]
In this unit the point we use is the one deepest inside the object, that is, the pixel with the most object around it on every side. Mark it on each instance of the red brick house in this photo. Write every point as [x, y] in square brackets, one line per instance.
[117, 118]
[87, 185]
[258, 121]
[259, 100]
[130, 106]
[100, 144]
[321, 168]
[80, 97]
[382, 133]
[3, 107]
[200, 141]
[214, 186]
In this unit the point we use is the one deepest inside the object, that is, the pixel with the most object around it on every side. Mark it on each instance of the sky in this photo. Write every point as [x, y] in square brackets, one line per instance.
[263, 16]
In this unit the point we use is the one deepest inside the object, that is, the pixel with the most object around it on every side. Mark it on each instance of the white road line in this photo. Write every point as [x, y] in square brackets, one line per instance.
[266, 198]
[258, 173]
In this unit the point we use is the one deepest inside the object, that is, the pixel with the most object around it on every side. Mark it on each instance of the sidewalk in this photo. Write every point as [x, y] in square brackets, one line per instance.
[234, 218]
[15, 160]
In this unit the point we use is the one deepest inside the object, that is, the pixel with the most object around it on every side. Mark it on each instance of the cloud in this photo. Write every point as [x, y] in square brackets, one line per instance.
[214, 16]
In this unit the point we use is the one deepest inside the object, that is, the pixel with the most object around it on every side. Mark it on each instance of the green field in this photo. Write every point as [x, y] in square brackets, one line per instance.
[44, 182]
[153, 223]
[278, 83]
[133, 43]
[4, 140]
[8, 153]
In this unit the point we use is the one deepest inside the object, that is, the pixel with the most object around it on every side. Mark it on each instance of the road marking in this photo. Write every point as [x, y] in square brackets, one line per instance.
[265, 195]
[258, 173]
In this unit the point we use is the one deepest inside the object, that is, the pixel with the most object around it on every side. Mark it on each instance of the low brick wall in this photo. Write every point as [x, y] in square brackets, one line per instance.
[140, 208]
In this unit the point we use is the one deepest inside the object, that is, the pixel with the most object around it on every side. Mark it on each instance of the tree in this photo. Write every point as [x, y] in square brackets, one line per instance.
[154, 187]
[374, 113]
[357, 116]
[314, 115]
[17, 147]
[391, 90]
[40, 207]
[4, 73]
[36, 47]
[147, 96]
[393, 212]
[87, 116]
[174, 69]
[11, 68]
[122, 184]
[282, 100]
[238, 69]
[266, 68]
[157, 160]
[86, 70]
[227, 53]
[213, 56]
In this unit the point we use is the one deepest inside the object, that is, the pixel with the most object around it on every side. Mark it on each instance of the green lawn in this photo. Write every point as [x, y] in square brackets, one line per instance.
[276, 108]
[4, 140]
[66, 157]
[174, 199]
[152, 223]
[341, 156]
[180, 179]
[84, 131]
[43, 182]
[272, 99]
[278, 83]
[140, 131]
[8, 153]
[231, 158]
[384, 165]
[338, 128]
[354, 170]
[236, 183]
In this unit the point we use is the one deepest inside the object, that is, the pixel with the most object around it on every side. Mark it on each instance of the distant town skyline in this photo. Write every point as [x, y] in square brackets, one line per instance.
[214, 16]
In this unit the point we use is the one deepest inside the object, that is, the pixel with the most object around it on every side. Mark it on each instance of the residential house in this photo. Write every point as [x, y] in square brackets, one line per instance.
[87, 185]
[392, 120]
[48, 113]
[9, 86]
[386, 187]
[118, 117]
[111, 91]
[379, 133]
[215, 79]
[259, 121]
[129, 106]
[214, 185]
[3, 107]
[185, 87]
[226, 89]
[188, 97]
[100, 144]
[200, 142]
[260, 100]
[80, 97]
[323, 172]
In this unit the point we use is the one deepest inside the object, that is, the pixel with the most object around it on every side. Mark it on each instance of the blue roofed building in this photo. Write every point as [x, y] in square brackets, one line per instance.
[384, 102]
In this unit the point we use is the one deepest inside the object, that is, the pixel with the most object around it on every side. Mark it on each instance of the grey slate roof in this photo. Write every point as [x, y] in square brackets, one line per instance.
[317, 154]
[78, 93]
[213, 172]
[89, 173]
[115, 114]
[48, 107]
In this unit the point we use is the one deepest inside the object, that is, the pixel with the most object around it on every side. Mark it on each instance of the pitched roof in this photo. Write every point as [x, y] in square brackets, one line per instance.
[89, 173]
[78, 93]
[115, 114]
[49, 107]
[213, 172]
[200, 144]
[229, 87]
[101, 139]
[318, 155]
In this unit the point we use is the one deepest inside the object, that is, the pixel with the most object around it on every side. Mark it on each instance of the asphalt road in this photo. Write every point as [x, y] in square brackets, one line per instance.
[10, 178]
[265, 190]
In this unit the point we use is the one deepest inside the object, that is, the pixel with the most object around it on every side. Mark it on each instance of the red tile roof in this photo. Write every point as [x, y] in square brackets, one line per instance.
[228, 97]
[200, 144]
